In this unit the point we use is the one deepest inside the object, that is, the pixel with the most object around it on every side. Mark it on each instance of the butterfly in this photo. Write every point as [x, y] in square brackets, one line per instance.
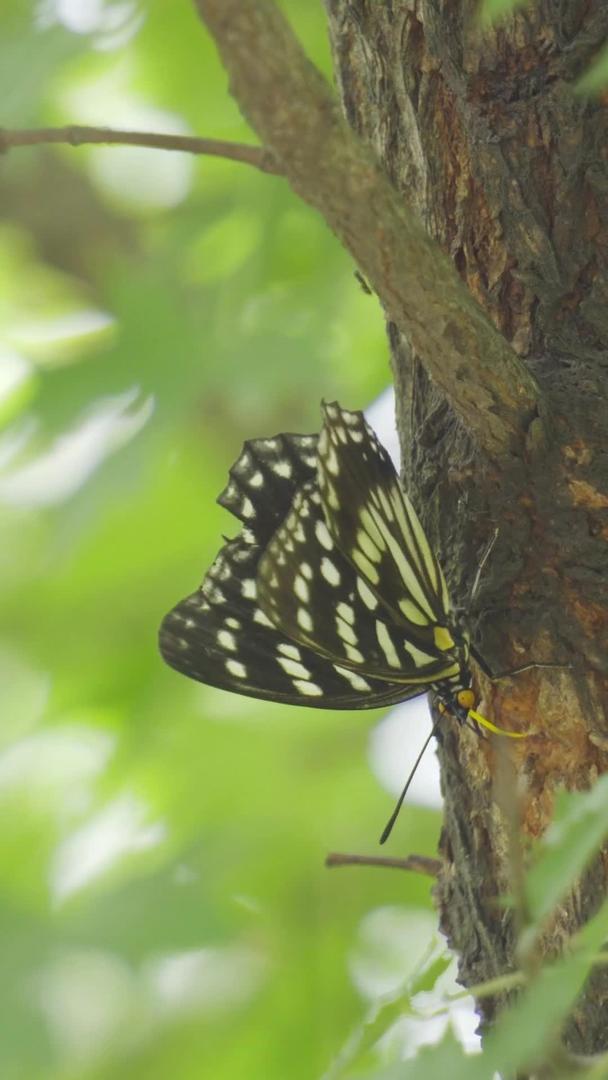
[330, 596]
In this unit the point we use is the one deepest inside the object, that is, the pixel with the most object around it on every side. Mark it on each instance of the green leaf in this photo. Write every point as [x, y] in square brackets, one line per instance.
[596, 78]
[446, 1059]
[491, 11]
[527, 1031]
[577, 831]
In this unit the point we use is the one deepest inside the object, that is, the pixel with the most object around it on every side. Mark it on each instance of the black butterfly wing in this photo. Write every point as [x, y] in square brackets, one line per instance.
[376, 527]
[264, 478]
[315, 595]
[220, 635]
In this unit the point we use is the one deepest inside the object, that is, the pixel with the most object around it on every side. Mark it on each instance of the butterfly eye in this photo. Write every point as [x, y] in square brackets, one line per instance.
[466, 699]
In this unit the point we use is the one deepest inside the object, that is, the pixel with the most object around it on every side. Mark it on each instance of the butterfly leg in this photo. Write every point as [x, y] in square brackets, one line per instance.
[496, 676]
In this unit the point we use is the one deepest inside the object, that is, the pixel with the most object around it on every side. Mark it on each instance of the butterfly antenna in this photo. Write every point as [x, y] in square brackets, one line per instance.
[484, 559]
[388, 828]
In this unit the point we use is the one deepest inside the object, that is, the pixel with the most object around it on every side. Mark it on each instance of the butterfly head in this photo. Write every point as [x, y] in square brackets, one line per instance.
[460, 703]
[457, 702]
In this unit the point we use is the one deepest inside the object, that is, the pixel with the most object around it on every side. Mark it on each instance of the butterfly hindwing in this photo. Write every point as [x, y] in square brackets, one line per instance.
[219, 635]
[264, 479]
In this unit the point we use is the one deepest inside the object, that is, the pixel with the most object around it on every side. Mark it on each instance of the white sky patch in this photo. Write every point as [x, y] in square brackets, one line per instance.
[111, 22]
[381, 417]
[137, 178]
[423, 1027]
[143, 179]
[59, 472]
[393, 943]
[121, 829]
[394, 746]
[212, 979]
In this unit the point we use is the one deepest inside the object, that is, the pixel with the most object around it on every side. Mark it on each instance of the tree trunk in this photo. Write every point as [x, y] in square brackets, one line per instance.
[507, 168]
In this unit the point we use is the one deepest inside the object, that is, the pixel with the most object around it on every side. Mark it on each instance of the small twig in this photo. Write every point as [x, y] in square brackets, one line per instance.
[512, 980]
[420, 864]
[74, 135]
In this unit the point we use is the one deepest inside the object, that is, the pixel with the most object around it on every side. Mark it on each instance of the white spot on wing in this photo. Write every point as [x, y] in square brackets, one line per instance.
[323, 535]
[346, 612]
[332, 498]
[345, 631]
[413, 613]
[261, 618]
[370, 527]
[366, 594]
[330, 571]
[419, 657]
[356, 681]
[293, 668]
[331, 462]
[386, 644]
[226, 640]
[308, 688]
[301, 589]
[290, 650]
[367, 546]
[304, 619]
[236, 668]
[353, 654]
[365, 566]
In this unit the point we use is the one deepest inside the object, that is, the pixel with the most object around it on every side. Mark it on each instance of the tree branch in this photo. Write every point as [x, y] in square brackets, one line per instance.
[290, 106]
[420, 864]
[74, 135]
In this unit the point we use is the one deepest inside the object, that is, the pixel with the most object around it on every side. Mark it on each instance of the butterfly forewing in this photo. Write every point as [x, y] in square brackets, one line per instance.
[316, 596]
[375, 525]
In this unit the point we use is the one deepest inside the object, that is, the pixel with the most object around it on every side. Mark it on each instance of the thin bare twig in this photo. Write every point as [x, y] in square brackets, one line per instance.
[76, 135]
[419, 864]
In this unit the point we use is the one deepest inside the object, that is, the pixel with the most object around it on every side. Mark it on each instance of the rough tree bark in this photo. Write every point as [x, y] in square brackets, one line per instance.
[503, 416]
[507, 169]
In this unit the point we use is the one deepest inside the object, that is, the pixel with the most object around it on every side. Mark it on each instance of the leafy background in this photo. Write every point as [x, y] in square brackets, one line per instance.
[164, 908]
